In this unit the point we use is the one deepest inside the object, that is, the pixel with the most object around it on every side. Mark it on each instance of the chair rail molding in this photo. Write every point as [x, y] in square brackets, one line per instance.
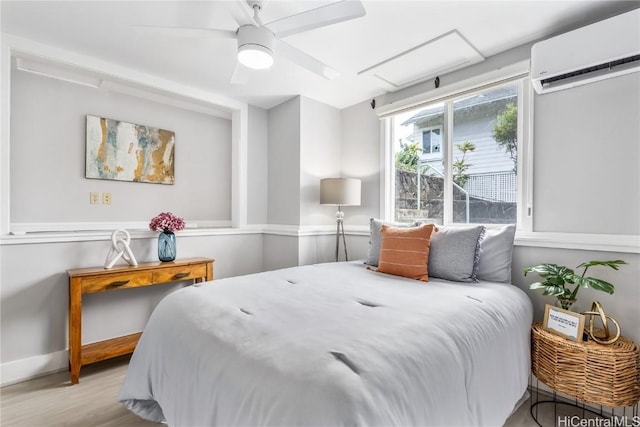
[588, 242]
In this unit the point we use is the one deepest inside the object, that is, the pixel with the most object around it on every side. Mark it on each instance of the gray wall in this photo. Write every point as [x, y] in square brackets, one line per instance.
[361, 159]
[258, 154]
[48, 185]
[622, 305]
[586, 158]
[284, 163]
[305, 145]
[48, 157]
[34, 290]
[587, 180]
[320, 155]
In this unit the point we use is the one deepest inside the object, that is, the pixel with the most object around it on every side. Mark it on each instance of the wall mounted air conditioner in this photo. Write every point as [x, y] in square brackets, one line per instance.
[598, 51]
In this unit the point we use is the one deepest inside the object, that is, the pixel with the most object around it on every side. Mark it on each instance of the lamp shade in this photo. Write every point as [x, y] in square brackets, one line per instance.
[340, 191]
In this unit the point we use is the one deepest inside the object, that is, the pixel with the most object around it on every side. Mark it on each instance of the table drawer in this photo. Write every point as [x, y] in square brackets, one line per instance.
[116, 281]
[185, 272]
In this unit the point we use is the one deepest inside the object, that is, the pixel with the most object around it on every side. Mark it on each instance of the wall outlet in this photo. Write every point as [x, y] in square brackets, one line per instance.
[94, 198]
[106, 198]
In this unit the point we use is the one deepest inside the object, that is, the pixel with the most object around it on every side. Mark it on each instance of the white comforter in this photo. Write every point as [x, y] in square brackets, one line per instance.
[329, 345]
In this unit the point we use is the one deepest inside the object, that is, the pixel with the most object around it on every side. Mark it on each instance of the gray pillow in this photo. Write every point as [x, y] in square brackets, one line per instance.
[496, 249]
[455, 252]
[375, 240]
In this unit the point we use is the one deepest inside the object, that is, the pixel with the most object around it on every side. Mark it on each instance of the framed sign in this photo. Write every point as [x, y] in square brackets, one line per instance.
[563, 322]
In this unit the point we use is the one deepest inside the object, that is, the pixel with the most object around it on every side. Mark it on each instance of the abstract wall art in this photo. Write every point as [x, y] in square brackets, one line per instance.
[124, 151]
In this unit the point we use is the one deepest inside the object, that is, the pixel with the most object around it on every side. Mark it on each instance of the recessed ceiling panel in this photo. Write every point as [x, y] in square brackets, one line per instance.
[443, 54]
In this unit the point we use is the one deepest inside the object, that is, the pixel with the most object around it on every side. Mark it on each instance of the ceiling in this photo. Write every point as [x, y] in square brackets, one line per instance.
[106, 30]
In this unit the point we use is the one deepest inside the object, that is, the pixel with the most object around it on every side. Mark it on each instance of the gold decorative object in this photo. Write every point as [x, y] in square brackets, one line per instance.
[593, 333]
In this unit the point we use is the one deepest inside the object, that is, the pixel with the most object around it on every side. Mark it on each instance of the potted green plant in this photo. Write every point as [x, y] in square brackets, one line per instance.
[558, 278]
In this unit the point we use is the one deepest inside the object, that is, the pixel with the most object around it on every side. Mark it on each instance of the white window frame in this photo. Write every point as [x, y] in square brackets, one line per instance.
[431, 153]
[421, 94]
[524, 215]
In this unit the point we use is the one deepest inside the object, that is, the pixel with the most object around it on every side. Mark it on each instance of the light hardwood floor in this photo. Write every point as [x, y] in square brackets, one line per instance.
[52, 401]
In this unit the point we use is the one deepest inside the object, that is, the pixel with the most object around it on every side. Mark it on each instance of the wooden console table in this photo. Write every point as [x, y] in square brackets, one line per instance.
[98, 279]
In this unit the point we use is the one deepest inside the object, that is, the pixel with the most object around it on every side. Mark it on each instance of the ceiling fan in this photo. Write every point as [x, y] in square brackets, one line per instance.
[258, 42]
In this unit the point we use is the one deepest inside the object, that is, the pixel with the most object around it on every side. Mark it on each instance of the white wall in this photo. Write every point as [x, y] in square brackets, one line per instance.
[48, 157]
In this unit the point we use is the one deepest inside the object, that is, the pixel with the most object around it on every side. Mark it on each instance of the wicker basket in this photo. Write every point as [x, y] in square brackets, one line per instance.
[607, 375]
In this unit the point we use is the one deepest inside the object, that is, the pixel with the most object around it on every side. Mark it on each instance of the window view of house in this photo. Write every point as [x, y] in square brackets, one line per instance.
[483, 163]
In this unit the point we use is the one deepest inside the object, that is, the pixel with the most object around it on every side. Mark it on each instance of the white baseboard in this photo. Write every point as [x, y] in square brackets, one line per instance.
[25, 369]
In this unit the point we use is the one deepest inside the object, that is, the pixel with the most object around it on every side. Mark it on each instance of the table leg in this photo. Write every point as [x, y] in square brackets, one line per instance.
[209, 271]
[75, 329]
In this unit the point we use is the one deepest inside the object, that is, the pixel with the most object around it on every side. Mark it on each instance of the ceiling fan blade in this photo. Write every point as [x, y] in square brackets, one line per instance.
[325, 15]
[302, 59]
[185, 31]
[242, 13]
[240, 74]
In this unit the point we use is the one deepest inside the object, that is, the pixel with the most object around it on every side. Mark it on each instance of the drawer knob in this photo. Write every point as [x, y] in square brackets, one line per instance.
[180, 275]
[119, 283]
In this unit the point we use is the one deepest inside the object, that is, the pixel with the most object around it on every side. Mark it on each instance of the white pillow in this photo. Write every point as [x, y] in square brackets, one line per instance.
[496, 250]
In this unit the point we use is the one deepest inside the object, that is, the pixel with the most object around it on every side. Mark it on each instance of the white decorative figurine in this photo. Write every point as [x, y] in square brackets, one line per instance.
[120, 249]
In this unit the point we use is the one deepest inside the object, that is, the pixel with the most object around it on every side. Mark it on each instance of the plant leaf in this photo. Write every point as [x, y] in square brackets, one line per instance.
[597, 284]
[612, 264]
[556, 281]
[545, 270]
[548, 288]
[554, 291]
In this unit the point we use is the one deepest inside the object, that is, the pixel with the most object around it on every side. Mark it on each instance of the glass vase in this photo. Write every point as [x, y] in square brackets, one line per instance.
[166, 246]
[565, 303]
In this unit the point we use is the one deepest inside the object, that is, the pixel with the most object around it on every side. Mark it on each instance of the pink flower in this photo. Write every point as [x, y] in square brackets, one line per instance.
[167, 221]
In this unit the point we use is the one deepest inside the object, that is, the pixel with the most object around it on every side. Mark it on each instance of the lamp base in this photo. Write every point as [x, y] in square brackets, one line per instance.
[340, 231]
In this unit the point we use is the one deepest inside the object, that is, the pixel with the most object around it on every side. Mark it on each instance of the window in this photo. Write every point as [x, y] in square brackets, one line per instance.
[456, 161]
[431, 140]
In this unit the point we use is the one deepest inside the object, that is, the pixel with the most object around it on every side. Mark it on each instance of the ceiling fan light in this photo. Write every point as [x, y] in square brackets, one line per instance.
[255, 56]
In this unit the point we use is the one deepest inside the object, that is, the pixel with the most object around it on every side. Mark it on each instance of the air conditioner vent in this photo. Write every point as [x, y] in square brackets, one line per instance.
[608, 66]
[620, 65]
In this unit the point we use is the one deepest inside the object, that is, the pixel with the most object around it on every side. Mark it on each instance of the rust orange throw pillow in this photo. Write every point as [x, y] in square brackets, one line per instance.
[405, 251]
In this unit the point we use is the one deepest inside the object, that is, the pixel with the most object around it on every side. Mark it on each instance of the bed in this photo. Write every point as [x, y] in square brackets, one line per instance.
[332, 344]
